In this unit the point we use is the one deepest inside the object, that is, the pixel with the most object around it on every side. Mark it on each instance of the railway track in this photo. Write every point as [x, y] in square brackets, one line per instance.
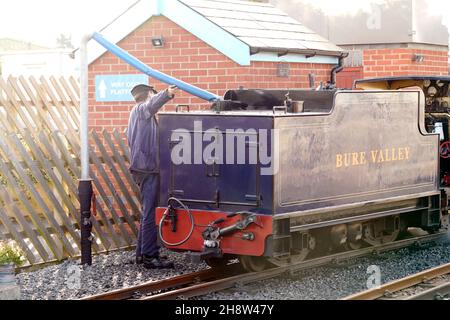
[214, 280]
[142, 290]
[433, 284]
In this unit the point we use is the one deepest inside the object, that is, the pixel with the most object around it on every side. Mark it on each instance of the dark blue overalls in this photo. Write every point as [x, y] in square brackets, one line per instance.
[143, 143]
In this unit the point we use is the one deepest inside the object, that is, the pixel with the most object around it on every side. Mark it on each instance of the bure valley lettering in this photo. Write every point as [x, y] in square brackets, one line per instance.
[354, 159]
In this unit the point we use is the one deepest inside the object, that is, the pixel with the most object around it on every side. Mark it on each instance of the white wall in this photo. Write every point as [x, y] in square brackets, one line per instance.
[371, 21]
[37, 63]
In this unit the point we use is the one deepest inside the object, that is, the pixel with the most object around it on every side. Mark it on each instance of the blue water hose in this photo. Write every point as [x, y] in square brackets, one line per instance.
[122, 54]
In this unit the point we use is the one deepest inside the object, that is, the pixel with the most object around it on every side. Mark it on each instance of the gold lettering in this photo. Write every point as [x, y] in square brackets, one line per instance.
[347, 159]
[355, 160]
[401, 155]
[374, 156]
[362, 157]
[394, 154]
[388, 158]
[339, 162]
[381, 157]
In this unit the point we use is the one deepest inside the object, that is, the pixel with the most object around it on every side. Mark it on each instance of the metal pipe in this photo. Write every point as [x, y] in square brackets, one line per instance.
[85, 191]
[306, 52]
[122, 54]
[337, 69]
[84, 112]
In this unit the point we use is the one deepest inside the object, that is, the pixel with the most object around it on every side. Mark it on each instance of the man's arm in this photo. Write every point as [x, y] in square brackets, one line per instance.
[151, 107]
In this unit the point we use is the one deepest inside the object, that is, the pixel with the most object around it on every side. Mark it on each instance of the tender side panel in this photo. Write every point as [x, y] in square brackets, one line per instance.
[369, 148]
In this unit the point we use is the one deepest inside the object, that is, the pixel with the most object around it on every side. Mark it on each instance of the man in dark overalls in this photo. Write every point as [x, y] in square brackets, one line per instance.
[143, 143]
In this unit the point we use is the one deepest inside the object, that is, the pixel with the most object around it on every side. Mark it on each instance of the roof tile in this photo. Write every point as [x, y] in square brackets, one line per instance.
[261, 25]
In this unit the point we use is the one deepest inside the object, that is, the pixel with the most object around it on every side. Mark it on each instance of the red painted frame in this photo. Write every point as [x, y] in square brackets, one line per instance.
[232, 244]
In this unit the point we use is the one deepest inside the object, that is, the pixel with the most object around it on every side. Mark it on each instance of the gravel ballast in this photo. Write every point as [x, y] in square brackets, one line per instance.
[117, 270]
[108, 272]
[339, 281]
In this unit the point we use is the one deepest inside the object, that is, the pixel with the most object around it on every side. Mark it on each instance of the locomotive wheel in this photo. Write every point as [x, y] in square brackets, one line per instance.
[354, 245]
[431, 230]
[293, 259]
[373, 239]
[217, 263]
[254, 264]
[305, 243]
[385, 239]
[355, 235]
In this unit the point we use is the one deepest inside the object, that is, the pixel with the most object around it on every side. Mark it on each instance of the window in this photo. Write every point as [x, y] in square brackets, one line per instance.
[439, 128]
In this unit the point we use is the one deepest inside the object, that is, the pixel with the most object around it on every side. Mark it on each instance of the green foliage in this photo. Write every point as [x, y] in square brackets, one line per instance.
[10, 253]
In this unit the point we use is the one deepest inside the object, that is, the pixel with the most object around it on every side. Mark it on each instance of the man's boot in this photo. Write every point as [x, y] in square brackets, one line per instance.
[157, 263]
[140, 259]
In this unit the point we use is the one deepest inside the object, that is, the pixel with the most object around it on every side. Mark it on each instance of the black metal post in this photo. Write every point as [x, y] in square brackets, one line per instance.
[85, 193]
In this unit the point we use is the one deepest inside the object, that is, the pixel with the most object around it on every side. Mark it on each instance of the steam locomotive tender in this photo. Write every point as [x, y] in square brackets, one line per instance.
[274, 177]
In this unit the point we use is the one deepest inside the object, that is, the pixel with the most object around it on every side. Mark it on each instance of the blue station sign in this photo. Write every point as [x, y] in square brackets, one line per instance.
[116, 88]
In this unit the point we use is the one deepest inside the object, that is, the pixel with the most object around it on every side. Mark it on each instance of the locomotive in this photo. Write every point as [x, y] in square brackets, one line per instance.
[274, 177]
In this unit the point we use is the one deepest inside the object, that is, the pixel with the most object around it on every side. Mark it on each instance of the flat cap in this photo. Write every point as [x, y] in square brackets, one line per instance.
[141, 91]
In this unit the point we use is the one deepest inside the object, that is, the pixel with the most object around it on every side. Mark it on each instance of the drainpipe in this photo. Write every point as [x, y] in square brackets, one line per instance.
[337, 69]
[85, 190]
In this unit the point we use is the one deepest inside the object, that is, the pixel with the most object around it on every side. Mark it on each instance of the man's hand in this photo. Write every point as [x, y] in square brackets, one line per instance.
[172, 90]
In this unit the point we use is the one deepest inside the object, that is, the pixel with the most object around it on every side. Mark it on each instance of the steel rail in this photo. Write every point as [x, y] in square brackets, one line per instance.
[402, 284]
[230, 282]
[155, 286]
[209, 281]
[441, 292]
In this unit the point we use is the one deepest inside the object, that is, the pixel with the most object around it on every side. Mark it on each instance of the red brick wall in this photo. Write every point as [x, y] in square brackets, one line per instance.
[398, 62]
[189, 59]
[346, 78]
